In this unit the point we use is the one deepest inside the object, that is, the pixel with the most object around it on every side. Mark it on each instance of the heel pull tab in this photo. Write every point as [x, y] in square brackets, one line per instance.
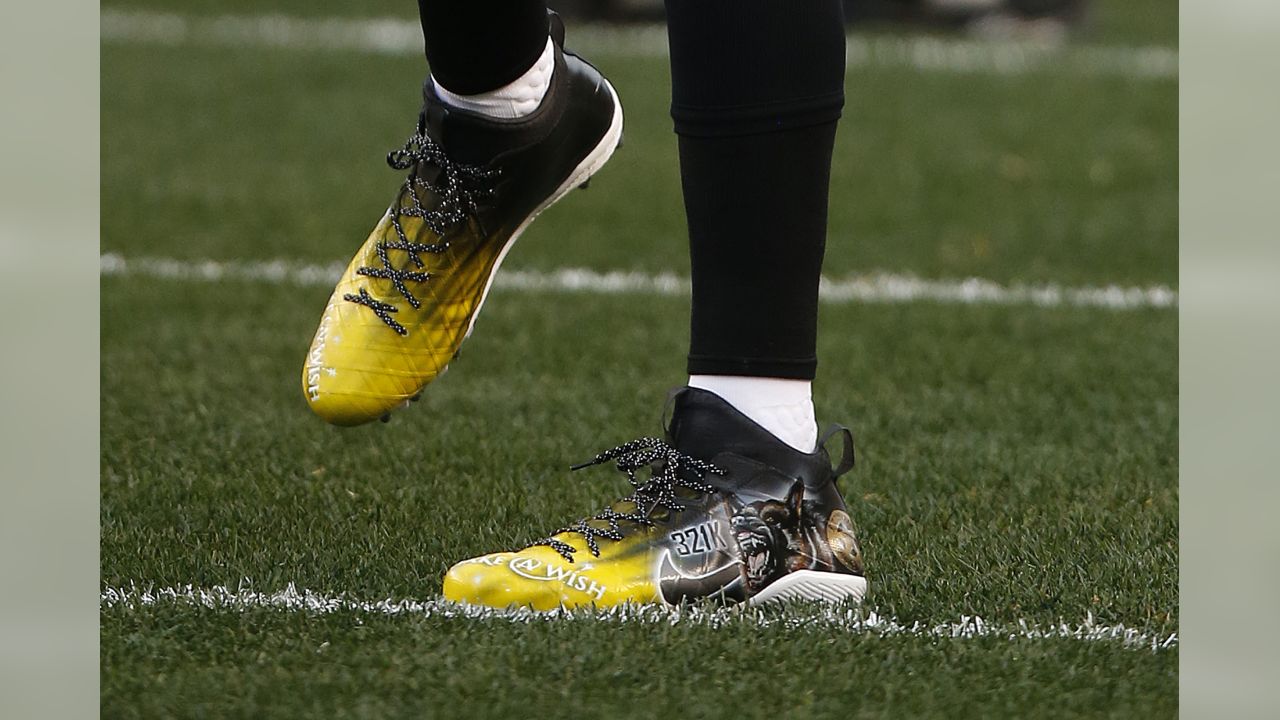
[847, 455]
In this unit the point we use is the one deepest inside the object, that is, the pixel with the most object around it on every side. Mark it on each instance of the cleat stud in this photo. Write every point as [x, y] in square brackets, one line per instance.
[386, 418]
[585, 184]
[416, 398]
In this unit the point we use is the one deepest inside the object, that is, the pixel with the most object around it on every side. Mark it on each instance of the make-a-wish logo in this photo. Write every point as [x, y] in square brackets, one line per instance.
[488, 560]
[315, 359]
[534, 569]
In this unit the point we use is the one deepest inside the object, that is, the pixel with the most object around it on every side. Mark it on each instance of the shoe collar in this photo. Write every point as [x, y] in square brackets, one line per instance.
[703, 425]
[475, 139]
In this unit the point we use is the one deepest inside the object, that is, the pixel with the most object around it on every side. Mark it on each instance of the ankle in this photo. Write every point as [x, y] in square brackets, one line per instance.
[782, 406]
[514, 100]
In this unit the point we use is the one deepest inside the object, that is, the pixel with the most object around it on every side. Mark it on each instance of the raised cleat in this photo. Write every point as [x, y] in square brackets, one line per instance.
[727, 512]
[414, 290]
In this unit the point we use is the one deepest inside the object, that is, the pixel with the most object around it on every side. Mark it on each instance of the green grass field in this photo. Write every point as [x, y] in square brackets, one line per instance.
[1017, 462]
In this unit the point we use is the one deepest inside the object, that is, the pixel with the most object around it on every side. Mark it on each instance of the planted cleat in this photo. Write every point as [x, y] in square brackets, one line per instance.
[414, 290]
[727, 512]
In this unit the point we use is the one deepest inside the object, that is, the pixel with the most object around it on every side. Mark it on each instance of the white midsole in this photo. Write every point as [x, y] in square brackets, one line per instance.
[814, 585]
[594, 160]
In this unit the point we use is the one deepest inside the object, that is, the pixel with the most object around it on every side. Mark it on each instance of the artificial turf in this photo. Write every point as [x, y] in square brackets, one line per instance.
[1015, 462]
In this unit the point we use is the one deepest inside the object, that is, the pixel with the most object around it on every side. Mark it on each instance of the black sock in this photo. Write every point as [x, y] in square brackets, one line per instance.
[757, 88]
[475, 46]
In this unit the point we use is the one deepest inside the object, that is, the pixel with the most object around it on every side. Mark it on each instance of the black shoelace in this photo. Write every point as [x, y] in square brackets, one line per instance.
[670, 469]
[458, 189]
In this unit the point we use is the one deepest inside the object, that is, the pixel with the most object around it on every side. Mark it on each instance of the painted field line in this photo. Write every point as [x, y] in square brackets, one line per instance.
[871, 288]
[398, 36]
[843, 619]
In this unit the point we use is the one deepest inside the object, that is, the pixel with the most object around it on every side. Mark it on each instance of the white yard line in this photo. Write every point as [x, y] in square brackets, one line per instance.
[871, 288]
[851, 620]
[397, 36]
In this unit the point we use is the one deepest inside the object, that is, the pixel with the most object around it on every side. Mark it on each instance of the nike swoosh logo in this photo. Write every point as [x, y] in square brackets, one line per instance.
[676, 587]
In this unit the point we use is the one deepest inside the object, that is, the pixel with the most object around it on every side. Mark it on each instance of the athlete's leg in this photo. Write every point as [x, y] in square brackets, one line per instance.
[738, 504]
[757, 89]
[492, 57]
[475, 46]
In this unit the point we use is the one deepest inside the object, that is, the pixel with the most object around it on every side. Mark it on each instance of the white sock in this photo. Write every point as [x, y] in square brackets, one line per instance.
[783, 407]
[512, 101]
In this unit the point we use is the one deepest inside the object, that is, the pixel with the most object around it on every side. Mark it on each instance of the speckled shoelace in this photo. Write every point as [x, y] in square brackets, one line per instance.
[670, 469]
[458, 189]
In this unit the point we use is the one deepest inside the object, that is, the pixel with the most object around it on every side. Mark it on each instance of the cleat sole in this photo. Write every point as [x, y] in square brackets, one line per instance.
[812, 585]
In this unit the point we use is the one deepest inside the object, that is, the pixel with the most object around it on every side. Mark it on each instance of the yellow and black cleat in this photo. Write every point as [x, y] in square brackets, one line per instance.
[727, 512]
[412, 293]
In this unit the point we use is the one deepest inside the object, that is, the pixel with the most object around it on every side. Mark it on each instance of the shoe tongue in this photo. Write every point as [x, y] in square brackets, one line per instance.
[466, 137]
[703, 425]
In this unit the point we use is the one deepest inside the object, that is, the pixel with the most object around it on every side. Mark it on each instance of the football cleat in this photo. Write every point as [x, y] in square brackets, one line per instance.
[412, 293]
[720, 509]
